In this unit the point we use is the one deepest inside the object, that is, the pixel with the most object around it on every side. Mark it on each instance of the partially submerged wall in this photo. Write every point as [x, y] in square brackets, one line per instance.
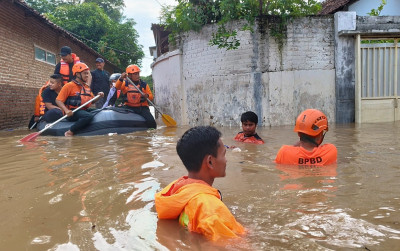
[215, 86]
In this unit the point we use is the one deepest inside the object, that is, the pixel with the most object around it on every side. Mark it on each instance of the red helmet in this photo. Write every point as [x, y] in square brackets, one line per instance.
[79, 67]
[132, 69]
[311, 122]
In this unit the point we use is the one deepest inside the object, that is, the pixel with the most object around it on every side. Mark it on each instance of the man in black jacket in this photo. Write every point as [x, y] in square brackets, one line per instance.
[100, 78]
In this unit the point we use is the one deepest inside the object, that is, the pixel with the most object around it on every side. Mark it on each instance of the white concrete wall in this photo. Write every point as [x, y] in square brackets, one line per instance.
[218, 85]
[168, 87]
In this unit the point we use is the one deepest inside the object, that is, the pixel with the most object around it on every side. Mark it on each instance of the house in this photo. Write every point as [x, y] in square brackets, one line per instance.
[161, 40]
[362, 8]
[30, 44]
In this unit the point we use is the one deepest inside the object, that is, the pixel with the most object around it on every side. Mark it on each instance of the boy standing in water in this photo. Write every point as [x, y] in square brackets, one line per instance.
[311, 126]
[192, 198]
[249, 124]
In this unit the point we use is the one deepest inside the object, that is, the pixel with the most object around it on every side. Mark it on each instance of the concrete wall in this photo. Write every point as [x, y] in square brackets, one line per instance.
[216, 85]
[345, 67]
[21, 75]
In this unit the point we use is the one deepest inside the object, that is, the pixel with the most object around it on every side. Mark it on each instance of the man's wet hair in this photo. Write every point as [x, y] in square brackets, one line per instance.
[57, 77]
[249, 116]
[195, 144]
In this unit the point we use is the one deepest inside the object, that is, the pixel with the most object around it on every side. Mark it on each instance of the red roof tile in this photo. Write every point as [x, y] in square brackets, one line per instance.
[332, 6]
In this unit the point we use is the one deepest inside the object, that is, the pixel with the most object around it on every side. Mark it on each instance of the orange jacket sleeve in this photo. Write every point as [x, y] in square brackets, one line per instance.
[65, 92]
[37, 106]
[120, 85]
[148, 91]
[209, 216]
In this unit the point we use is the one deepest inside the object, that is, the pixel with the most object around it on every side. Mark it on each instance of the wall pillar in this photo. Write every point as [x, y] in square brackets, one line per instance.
[345, 68]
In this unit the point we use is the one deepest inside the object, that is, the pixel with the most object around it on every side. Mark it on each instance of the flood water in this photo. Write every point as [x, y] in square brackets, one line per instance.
[97, 193]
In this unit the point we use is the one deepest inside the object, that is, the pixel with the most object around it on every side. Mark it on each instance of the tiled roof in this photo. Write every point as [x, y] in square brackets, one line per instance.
[332, 6]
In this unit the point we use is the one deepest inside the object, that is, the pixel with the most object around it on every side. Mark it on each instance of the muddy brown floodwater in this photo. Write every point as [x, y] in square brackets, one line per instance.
[97, 193]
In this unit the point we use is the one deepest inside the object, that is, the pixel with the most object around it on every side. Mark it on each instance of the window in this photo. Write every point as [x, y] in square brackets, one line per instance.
[45, 56]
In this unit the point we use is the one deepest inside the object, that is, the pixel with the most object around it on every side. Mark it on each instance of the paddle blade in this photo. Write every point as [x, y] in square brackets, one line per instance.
[30, 137]
[168, 121]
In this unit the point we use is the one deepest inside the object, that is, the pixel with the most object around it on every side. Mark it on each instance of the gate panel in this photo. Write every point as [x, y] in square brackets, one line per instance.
[377, 80]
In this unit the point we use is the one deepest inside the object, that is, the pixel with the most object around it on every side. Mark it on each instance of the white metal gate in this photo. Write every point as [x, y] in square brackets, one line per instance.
[377, 81]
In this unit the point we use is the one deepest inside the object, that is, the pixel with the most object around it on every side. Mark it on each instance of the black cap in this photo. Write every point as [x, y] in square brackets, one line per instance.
[56, 76]
[100, 60]
[65, 51]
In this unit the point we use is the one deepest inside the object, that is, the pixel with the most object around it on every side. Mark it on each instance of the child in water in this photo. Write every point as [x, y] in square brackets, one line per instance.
[249, 124]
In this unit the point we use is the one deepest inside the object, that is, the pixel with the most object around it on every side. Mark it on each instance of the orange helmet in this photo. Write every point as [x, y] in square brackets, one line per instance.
[132, 69]
[311, 122]
[79, 67]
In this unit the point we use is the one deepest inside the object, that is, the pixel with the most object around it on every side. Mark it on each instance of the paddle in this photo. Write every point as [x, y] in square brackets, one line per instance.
[34, 124]
[168, 121]
[33, 136]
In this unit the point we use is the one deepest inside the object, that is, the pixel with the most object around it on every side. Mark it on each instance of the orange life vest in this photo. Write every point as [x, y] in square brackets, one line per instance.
[39, 105]
[133, 95]
[64, 68]
[296, 155]
[198, 207]
[79, 98]
[255, 139]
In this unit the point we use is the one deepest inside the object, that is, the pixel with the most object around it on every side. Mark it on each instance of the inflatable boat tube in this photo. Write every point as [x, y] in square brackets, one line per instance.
[107, 120]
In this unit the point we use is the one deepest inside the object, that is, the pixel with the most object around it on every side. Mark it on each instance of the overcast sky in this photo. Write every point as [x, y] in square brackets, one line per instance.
[145, 12]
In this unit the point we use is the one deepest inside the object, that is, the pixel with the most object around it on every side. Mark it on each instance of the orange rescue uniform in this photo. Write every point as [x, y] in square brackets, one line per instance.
[74, 94]
[255, 139]
[132, 95]
[64, 68]
[296, 155]
[198, 207]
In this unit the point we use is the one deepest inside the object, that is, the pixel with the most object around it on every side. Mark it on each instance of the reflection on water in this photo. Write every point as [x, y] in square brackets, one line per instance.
[97, 193]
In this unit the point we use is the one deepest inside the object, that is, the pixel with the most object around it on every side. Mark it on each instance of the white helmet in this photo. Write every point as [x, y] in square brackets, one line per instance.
[115, 76]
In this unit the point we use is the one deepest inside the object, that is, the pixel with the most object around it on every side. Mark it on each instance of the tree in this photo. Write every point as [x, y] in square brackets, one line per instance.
[148, 80]
[377, 12]
[113, 8]
[194, 14]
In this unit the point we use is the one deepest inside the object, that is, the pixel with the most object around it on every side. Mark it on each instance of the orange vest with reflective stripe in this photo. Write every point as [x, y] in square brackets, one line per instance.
[64, 68]
[80, 98]
[39, 105]
[296, 155]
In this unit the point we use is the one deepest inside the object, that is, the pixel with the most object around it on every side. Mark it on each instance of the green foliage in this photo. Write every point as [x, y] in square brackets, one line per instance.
[43, 6]
[148, 80]
[377, 12]
[113, 8]
[373, 41]
[116, 41]
[194, 14]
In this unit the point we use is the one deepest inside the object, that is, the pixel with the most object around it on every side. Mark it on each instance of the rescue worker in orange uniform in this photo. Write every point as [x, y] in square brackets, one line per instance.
[134, 100]
[249, 124]
[191, 198]
[64, 67]
[73, 95]
[311, 126]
